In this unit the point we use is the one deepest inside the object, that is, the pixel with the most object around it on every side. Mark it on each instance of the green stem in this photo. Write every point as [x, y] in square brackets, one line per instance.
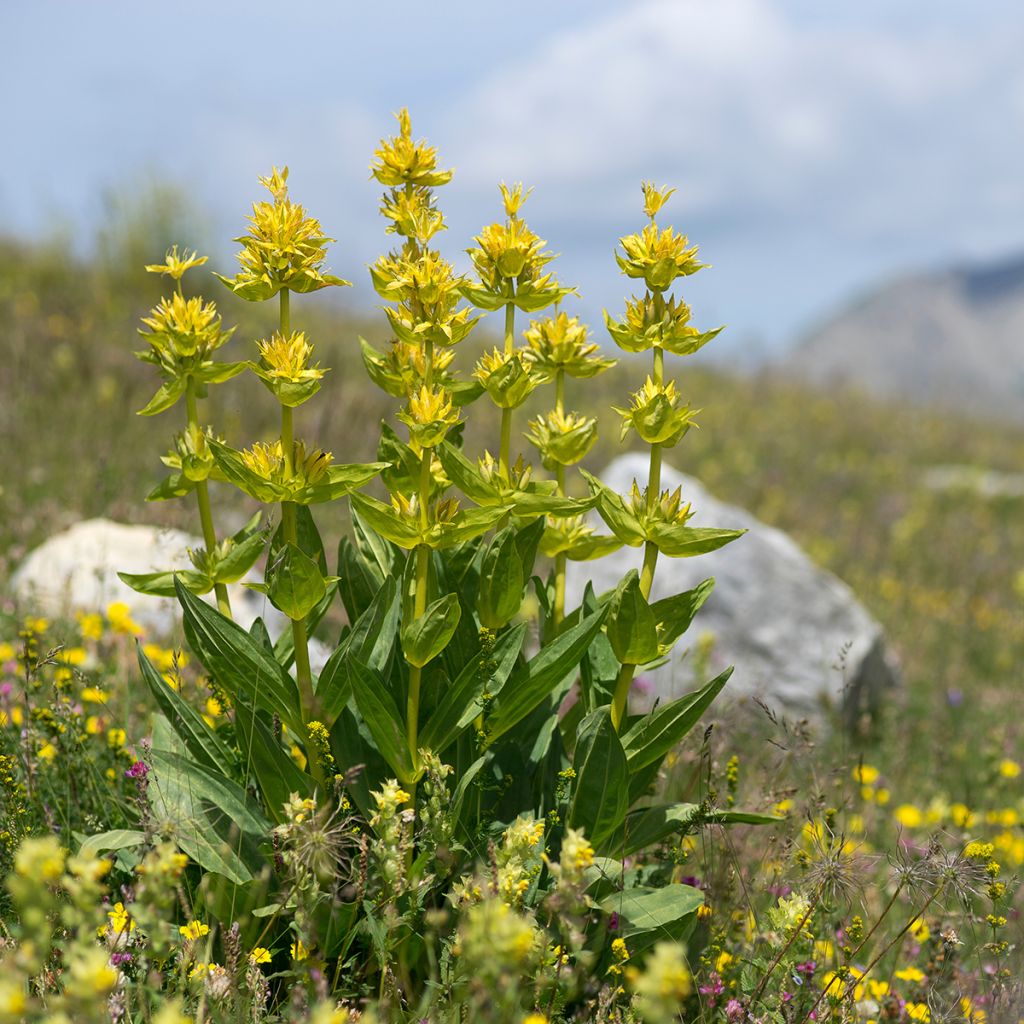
[290, 533]
[412, 707]
[558, 614]
[504, 453]
[203, 500]
[625, 677]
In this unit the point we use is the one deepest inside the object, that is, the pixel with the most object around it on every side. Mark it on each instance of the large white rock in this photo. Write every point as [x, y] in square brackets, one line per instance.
[784, 623]
[77, 571]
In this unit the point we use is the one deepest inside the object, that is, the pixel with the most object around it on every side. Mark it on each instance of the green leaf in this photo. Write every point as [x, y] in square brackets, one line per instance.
[500, 592]
[651, 825]
[631, 627]
[425, 638]
[658, 732]
[237, 662]
[112, 841]
[216, 373]
[613, 511]
[382, 718]
[200, 740]
[277, 775]
[466, 476]
[600, 797]
[458, 705]
[648, 915]
[205, 784]
[340, 480]
[686, 541]
[241, 557]
[532, 682]
[465, 526]
[230, 463]
[674, 614]
[371, 640]
[386, 521]
[177, 485]
[161, 584]
[168, 394]
[294, 583]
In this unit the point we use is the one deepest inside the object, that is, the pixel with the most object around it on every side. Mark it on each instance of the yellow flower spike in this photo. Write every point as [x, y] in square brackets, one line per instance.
[655, 198]
[412, 214]
[401, 161]
[180, 328]
[655, 414]
[285, 248]
[285, 368]
[429, 416]
[507, 377]
[659, 257]
[562, 438]
[562, 343]
[175, 266]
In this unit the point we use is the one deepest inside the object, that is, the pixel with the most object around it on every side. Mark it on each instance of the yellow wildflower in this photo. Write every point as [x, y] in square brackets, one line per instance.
[919, 1012]
[260, 955]
[1008, 768]
[908, 816]
[116, 738]
[90, 625]
[911, 973]
[47, 752]
[94, 695]
[119, 615]
[194, 930]
[865, 774]
[298, 950]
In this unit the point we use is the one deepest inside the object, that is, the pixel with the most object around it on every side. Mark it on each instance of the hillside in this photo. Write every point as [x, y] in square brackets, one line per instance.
[950, 337]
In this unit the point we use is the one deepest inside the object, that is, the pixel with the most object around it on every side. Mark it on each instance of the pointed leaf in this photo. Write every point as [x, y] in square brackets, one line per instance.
[240, 665]
[600, 797]
[425, 638]
[382, 718]
[661, 730]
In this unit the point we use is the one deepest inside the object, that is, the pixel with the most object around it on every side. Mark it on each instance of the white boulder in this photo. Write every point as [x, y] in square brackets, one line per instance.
[797, 636]
[77, 571]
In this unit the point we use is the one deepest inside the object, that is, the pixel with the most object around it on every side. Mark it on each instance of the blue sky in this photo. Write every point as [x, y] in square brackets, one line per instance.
[818, 147]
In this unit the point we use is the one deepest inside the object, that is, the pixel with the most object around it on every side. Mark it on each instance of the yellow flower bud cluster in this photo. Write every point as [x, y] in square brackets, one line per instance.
[284, 247]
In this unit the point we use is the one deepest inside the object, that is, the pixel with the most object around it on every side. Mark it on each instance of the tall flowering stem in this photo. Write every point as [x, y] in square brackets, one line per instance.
[427, 322]
[558, 347]
[284, 251]
[183, 335]
[653, 518]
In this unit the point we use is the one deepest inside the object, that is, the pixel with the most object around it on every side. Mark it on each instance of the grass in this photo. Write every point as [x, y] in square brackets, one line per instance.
[943, 572]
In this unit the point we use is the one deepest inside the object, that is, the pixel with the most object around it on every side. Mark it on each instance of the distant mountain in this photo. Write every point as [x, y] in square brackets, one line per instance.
[953, 337]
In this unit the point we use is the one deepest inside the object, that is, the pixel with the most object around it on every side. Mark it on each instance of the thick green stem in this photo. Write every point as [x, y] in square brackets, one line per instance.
[625, 677]
[558, 614]
[290, 533]
[412, 707]
[504, 452]
[203, 500]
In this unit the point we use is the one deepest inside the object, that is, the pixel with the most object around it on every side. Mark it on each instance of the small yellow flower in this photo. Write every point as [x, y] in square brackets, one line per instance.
[175, 266]
[260, 955]
[116, 738]
[120, 919]
[704, 911]
[1008, 768]
[865, 774]
[7, 652]
[91, 625]
[194, 930]
[47, 752]
[919, 1012]
[535, 1018]
[119, 615]
[298, 950]
[909, 816]
[910, 974]
[36, 625]
[94, 695]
